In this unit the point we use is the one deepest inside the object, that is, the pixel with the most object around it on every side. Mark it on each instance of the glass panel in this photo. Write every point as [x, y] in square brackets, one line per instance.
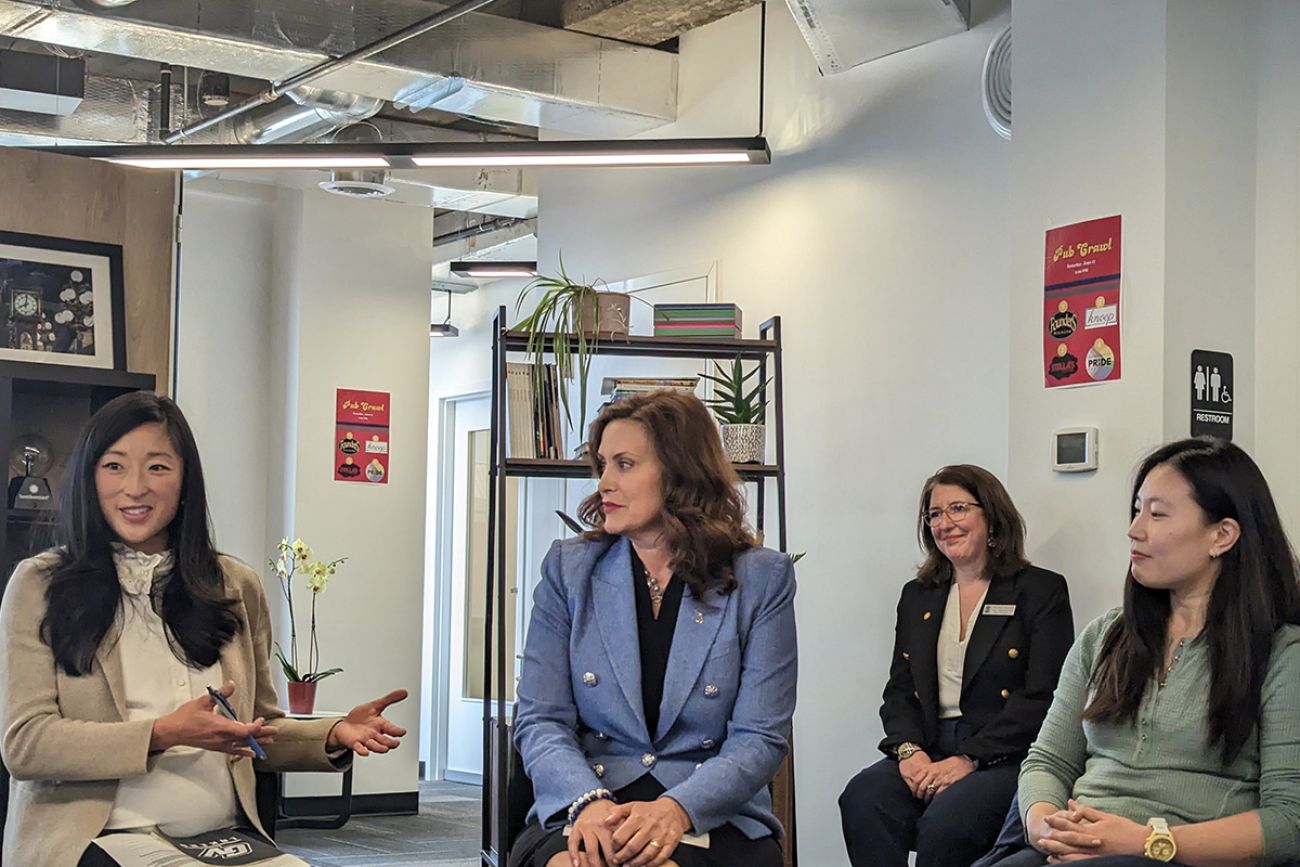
[479, 454]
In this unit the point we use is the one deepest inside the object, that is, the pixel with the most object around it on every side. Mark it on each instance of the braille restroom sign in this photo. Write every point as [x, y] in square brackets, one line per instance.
[1213, 394]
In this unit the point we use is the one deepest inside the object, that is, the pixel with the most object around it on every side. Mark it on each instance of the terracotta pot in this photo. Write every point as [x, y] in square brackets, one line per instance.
[302, 697]
[607, 315]
[744, 443]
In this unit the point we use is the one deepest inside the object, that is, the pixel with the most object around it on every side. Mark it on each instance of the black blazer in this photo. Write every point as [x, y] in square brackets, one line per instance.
[1012, 665]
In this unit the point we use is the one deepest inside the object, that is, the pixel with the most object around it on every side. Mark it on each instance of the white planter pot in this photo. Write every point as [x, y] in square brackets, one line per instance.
[744, 443]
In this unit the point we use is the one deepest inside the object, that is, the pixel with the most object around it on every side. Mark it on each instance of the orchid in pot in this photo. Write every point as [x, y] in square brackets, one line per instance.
[294, 557]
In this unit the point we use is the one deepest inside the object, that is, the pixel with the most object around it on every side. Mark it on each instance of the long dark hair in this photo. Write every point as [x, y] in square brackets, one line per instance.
[1006, 527]
[1255, 594]
[703, 513]
[84, 593]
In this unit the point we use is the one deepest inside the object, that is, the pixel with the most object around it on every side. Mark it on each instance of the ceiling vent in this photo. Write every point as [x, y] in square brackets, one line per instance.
[358, 183]
[997, 84]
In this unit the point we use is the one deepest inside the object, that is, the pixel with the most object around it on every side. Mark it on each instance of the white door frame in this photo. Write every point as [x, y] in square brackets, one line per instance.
[440, 666]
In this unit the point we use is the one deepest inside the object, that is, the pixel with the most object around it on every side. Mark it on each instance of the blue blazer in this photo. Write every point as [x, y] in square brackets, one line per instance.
[729, 691]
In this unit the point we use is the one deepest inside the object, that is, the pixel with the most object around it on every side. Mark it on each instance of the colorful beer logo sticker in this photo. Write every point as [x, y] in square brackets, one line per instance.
[375, 471]
[1064, 365]
[1064, 323]
[349, 444]
[348, 469]
[1101, 360]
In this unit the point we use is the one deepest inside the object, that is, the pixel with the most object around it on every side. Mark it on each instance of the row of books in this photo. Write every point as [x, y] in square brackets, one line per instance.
[615, 387]
[534, 419]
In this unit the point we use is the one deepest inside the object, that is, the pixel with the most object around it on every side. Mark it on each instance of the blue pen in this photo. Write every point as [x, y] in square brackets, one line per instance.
[252, 741]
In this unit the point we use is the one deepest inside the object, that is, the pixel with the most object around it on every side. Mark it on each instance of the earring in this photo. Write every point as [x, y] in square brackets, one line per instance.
[992, 541]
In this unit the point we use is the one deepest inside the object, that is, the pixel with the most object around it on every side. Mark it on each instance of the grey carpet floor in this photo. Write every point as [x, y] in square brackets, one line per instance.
[444, 834]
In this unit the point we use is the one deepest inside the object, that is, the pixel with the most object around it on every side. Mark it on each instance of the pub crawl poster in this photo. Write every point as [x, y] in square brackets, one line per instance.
[361, 436]
[1081, 340]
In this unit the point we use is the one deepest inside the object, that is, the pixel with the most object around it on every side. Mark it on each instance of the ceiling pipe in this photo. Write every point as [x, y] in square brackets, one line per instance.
[112, 4]
[306, 113]
[279, 88]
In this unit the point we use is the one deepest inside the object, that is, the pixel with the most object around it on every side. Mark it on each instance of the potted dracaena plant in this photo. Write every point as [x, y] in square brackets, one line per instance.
[740, 410]
[568, 321]
[292, 558]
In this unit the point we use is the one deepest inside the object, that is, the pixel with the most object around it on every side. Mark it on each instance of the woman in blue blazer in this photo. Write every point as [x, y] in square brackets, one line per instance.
[658, 678]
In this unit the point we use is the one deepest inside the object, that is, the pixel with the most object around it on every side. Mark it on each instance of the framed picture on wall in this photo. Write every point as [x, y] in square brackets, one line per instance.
[61, 301]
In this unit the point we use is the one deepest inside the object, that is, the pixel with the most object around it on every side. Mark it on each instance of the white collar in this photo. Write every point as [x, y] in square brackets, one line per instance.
[137, 571]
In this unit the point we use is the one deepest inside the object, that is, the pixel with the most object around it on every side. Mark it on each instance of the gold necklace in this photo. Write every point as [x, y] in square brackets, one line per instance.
[656, 592]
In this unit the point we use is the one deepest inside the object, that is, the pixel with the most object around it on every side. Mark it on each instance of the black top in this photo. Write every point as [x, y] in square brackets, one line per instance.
[1013, 660]
[656, 639]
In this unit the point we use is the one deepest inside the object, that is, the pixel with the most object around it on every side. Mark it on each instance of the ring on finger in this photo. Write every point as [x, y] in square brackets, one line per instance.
[656, 844]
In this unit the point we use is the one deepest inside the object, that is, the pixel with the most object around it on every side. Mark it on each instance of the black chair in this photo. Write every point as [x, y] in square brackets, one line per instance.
[268, 799]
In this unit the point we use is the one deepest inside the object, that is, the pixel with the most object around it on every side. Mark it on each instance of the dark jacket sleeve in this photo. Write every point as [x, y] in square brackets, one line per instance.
[900, 711]
[1051, 633]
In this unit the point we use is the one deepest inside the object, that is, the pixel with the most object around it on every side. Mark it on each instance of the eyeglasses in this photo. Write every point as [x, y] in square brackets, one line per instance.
[956, 512]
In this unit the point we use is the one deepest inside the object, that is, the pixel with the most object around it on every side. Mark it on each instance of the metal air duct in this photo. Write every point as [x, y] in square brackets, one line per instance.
[480, 65]
[303, 114]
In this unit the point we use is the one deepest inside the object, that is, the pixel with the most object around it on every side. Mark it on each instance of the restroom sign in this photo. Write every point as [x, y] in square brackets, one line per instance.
[1213, 394]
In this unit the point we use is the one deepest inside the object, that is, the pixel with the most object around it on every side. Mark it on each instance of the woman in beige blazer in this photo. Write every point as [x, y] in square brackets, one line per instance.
[107, 644]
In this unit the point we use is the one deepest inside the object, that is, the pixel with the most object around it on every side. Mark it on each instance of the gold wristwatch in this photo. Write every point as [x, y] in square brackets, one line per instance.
[905, 750]
[1160, 844]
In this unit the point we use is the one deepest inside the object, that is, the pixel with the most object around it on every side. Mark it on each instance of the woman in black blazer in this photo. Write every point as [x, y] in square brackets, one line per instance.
[979, 644]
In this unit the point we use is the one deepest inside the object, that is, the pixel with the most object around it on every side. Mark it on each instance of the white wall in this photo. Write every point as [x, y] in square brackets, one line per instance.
[1089, 142]
[1277, 228]
[288, 296]
[223, 351]
[879, 234]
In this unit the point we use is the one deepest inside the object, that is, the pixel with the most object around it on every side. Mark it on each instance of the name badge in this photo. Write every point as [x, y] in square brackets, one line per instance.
[1000, 610]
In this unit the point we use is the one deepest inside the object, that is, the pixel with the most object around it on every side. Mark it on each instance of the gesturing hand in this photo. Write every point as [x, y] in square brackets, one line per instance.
[364, 730]
[647, 832]
[591, 833]
[912, 769]
[197, 723]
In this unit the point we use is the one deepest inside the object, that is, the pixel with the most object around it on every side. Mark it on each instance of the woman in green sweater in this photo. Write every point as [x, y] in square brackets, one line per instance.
[1174, 735]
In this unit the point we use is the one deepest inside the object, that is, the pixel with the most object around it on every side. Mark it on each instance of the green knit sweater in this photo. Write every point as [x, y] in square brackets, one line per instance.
[1161, 764]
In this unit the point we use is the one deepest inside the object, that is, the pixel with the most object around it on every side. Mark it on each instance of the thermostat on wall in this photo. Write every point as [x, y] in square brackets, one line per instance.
[1074, 449]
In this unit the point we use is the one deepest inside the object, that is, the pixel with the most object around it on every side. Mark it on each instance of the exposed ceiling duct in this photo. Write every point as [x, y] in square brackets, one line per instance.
[125, 111]
[304, 114]
[480, 65]
[845, 33]
[112, 4]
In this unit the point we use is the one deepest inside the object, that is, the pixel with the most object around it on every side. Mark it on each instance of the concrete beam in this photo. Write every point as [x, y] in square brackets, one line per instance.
[645, 22]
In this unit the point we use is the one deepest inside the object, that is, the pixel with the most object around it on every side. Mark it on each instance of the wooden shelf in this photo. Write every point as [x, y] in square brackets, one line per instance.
[661, 347]
[549, 468]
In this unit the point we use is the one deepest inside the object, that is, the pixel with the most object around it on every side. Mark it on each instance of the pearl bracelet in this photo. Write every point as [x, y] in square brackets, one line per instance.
[586, 798]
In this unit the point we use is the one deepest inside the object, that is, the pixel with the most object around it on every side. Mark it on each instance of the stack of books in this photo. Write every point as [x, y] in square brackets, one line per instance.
[616, 387]
[697, 320]
[534, 419]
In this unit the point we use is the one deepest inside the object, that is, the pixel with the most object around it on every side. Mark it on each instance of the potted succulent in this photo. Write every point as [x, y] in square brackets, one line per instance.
[569, 320]
[293, 557]
[741, 411]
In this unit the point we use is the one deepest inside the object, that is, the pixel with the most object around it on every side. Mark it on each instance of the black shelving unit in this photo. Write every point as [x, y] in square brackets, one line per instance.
[54, 401]
[497, 767]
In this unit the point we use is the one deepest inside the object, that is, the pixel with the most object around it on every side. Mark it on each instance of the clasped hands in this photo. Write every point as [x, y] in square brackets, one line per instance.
[196, 723]
[1078, 833]
[635, 834]
[927, 779]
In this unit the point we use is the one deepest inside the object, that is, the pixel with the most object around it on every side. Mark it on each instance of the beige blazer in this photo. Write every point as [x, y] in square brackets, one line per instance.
[64, 740]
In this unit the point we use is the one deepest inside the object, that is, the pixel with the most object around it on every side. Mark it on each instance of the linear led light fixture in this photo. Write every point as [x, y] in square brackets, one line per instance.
[408, 155]
[490, 268]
